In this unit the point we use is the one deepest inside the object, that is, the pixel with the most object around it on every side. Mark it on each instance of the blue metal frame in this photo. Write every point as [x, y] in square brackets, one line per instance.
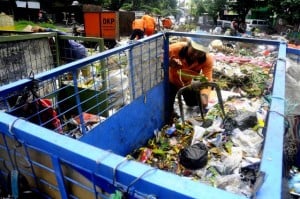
[295, 52]
[99, 155]
[272, 159]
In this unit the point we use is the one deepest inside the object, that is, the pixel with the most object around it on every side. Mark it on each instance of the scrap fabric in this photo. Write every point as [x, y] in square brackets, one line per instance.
[229, 153]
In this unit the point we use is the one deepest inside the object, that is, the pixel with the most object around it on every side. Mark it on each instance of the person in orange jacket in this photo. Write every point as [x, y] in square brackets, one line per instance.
[167, 23]
[149, 24]
[189, 60]
[137, 29]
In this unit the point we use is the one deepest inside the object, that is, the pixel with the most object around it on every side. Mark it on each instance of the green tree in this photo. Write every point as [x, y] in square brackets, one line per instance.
[161, 7]
[242, 7]
[197, 8]
[286, 9]
[116, 4]
[106, 4]
[210, 7]
[214, 7]
[136, 4]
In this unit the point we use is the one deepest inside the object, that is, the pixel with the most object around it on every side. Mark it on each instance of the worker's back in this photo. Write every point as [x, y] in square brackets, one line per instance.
[149, 21]
[138, 24]
[149, 25]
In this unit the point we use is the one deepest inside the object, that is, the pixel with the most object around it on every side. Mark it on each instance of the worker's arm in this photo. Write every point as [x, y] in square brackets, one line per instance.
[174, 59]
[207, 69]
[208, 73]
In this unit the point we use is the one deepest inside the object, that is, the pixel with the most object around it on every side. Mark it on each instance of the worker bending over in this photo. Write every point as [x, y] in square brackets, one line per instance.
[149, 24]
[189, 60]
[138, 26]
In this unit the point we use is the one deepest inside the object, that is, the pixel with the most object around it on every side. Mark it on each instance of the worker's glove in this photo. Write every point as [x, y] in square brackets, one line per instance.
[204, 100]
[175, 63]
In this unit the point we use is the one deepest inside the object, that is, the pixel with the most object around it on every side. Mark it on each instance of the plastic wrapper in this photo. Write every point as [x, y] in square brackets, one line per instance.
[234, 184]
[292, 85]
[249, 141]
[229, 162]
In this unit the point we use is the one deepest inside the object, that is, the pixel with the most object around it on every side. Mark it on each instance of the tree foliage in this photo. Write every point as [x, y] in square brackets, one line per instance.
[242, 7]
[286, 9]
[214, 7]
[163, 6]
[210, 7]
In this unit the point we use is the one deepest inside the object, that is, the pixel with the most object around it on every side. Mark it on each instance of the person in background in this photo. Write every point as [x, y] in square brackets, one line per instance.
[138, 26]
[187, 60]
[70, 50]
[242, 27]
[149, 24]
[40, 16]
[234, 27]
[43, 17]
[167, 23]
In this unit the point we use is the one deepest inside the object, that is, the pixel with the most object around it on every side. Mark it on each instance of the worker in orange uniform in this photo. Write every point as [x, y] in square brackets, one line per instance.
[137, 29]
[149, 24]
[167, 23]
[187, 61]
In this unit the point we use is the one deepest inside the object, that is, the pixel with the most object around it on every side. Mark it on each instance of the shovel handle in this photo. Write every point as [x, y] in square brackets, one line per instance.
[197, 87]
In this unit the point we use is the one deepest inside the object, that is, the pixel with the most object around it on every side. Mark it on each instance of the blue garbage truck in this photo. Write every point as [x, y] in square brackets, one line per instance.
[69, 135]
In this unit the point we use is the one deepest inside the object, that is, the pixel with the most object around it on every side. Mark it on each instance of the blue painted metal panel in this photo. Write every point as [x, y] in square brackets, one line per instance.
[272, 159]
[132, 126]
[295, 53]
[110, 166]
[59, 175]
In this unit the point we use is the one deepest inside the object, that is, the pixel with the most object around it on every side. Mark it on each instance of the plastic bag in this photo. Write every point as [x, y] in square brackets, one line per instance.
[292, 85]
[250, 141]
[246, 120]
[194, 156]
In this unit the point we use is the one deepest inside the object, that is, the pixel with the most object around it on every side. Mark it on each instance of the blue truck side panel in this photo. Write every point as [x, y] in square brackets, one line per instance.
[132, 126]
[273, 147]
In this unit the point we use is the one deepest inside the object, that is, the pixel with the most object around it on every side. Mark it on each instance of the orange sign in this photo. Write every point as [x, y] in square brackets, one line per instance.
[91, 24]
[102, 24]
[109, 25]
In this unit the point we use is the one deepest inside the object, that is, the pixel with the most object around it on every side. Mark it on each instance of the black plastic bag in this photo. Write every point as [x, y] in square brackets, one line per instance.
[193, 157]
[246, 120]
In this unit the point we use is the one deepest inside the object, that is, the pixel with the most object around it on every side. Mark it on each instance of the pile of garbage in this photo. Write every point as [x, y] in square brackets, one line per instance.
[223, 148]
